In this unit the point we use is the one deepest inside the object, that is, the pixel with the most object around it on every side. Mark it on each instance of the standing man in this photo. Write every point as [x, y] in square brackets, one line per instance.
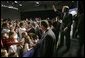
[80, 28]
[65, 27]
[47, 44]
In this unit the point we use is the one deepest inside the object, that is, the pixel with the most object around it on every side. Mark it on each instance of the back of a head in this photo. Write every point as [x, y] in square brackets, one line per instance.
[55, 24]
[4, 35]
[25, 34]
[11, 34]
[45, 23]
[4, 24]
[21, 24]
[33, 24]
[33, 35]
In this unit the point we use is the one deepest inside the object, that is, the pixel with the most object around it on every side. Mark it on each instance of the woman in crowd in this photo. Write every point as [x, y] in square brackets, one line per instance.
[4, 53]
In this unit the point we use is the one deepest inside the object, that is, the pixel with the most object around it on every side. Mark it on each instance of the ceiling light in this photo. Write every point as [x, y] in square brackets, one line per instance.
[72, 1]
[7, 1]
[10, 7]
[15, 1]
[20, 4]
[37, 2]
[2, 5]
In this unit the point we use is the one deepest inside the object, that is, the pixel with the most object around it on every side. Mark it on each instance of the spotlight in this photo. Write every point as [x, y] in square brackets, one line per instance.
[7, 1]
[2, 5]
[37, 2]
[20, 4]
[15, 1]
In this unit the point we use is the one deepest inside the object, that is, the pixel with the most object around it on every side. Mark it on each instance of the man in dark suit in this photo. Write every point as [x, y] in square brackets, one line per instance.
[80, 27]
[65, 27]
[75, 23]
[56, 29]
[47, 44]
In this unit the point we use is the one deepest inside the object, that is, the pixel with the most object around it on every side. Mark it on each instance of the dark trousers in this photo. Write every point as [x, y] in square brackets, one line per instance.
[81, 43]
[67, 36]
[74, 29]
[68, 42]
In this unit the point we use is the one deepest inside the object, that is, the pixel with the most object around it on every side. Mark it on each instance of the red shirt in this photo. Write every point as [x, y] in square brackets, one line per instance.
[9, 42]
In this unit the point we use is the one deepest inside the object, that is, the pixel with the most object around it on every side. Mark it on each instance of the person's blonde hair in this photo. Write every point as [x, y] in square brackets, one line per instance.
[64, 8]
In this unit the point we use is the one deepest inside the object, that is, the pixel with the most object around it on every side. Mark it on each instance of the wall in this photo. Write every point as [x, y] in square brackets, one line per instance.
[42, 14]
[10, 13]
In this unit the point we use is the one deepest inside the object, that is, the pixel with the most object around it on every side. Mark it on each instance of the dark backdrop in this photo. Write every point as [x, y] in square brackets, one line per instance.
[43, 14]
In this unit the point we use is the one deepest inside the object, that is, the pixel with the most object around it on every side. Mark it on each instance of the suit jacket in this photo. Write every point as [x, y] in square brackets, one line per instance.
[47, 45]
[66, 21]
[56, 30]
[80, 25]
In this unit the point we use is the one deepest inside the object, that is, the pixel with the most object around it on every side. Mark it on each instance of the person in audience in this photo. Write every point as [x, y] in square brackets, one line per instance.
[38, 30]
[34, 38]
[12, 42]
[33, 28]
[4, 53]
[12, 29]
[21, 29]
[5, 27]
[27, 39]
[7, 42]
[4, 39]
[27, 43]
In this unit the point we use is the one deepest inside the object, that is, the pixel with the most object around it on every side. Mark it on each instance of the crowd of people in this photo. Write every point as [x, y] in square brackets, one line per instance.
[38, 38]
[18, 36]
